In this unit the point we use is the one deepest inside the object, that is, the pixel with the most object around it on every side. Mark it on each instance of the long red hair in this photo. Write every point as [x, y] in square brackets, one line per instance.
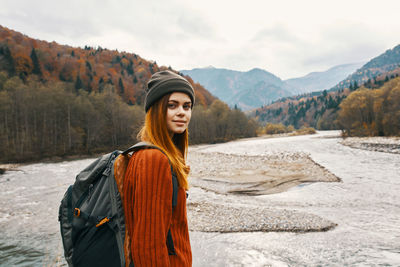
[155, 131]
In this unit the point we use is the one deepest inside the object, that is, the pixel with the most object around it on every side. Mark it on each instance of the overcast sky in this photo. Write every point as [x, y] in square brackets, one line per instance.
[289, 38]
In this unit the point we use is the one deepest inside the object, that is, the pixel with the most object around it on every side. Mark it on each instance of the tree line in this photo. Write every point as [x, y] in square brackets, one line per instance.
[307, 111]
[43, 120]
[367, 112]
[219, 123]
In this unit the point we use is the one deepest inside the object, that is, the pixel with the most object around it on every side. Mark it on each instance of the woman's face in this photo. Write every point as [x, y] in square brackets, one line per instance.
[179, 112]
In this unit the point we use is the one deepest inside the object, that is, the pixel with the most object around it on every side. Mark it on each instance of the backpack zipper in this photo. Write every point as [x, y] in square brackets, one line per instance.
[90, 191]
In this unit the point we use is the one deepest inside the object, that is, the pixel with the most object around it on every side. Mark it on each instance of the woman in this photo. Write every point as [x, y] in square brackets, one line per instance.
[148, 180]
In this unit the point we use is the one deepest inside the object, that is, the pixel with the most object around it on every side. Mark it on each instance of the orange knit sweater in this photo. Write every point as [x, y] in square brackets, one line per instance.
[147, 199]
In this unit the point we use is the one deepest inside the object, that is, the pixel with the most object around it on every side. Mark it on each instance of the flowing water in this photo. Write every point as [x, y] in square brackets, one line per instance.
[365, 205]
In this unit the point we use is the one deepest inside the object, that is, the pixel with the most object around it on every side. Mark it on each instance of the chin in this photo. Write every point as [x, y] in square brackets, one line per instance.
[179, 131]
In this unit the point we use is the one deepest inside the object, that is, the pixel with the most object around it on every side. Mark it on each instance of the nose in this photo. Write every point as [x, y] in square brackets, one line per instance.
[181, 110]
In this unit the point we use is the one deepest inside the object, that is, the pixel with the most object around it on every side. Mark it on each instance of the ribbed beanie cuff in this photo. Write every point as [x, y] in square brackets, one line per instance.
[165, 82]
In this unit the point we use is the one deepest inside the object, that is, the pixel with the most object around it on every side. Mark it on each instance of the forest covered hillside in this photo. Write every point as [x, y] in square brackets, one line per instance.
[372, 111]
[88, 68]
[384, 63]
[60, 101]
[320, 110]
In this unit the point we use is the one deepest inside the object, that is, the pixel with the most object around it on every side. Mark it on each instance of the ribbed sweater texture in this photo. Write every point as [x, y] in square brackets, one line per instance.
[147, 199]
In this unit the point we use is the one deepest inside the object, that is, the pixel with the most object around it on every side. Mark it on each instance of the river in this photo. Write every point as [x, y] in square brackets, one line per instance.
[365, 205]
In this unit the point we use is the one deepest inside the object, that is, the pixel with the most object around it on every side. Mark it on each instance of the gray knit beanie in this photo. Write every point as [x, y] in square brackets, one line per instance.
[165, 82]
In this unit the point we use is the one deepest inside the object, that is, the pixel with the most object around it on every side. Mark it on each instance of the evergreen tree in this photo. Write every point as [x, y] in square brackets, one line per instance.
[101, 85]
[121, 86]
[110, 79]
[129, 69]
[5, 50]
[367, 84]
[88, 66]
[78, 83]
[36, 65]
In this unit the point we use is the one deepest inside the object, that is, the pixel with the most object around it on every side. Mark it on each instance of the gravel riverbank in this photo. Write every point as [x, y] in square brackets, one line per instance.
[381, 144]
[225, 189]
[8, 167]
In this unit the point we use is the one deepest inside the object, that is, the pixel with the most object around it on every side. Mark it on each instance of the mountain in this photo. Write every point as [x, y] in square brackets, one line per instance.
[247, 90]
[320, 109]
[319, 81]
[386, 62]
[257, 87]
[89, 69]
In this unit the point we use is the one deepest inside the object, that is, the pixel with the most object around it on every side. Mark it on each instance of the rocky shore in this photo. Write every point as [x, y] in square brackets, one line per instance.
[8, 167]
[381, 144]
[225, 218]
[223, 197]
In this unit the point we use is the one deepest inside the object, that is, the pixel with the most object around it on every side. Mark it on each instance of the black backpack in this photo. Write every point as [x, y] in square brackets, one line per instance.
[91, 215]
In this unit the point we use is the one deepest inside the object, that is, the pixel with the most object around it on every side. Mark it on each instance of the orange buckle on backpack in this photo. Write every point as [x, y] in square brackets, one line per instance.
[105, 220]
[77, 212]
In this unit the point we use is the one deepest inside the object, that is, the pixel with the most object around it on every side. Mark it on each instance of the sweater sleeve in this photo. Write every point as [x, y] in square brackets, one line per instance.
[150, 173]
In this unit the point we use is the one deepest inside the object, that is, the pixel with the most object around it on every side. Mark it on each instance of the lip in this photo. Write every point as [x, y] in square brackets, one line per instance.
[179, 121]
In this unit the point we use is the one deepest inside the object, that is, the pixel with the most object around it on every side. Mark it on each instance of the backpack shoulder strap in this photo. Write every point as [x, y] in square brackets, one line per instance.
[140, 145]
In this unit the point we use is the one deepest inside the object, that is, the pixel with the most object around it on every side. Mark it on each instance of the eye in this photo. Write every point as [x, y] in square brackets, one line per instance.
[187, 106]
[171, 105]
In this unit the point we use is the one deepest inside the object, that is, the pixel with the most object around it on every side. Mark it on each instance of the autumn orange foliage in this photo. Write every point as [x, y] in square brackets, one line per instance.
[89, 68]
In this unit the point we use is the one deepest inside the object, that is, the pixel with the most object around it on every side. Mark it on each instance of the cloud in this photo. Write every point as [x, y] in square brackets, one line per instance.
[277, 33]
[287, 38]
[49, 20]
[346, 42]
[195, 26]
[290, 53]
